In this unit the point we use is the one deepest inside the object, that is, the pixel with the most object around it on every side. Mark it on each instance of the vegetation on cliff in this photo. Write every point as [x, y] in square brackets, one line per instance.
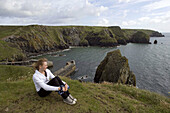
[18, 94]
[10, 52]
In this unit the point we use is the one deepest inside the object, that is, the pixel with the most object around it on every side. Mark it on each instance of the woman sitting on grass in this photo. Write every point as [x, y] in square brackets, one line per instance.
[45, 82]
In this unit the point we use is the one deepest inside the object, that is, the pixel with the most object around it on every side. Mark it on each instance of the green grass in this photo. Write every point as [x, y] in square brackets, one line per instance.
[18, 94]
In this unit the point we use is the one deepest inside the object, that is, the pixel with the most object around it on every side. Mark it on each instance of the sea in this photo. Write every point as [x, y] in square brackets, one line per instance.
[149, 62]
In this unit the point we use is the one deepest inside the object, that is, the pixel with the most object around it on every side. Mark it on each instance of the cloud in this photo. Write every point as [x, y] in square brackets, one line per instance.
[125, 13]
[129, 23]
[49, 11]
[163, 17]
[132, 1]
[14, 8]
[142, 19]
[103, 22]
[157, 5]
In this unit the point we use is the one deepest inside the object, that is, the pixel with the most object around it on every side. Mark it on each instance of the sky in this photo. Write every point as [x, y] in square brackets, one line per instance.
[131, 14]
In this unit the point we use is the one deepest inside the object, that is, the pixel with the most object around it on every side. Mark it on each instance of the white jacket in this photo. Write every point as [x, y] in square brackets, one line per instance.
[41, 81]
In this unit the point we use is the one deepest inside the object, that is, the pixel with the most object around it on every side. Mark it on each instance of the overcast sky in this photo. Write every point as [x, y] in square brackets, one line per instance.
[146, 14]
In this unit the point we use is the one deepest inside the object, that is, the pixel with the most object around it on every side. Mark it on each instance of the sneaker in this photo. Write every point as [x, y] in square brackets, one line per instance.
[68, 100]
[73, 98]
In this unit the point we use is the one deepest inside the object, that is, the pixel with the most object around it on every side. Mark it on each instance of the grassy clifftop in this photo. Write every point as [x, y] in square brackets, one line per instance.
[18, 94]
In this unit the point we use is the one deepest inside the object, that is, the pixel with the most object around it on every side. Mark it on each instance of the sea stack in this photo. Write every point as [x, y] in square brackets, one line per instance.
[115, 68]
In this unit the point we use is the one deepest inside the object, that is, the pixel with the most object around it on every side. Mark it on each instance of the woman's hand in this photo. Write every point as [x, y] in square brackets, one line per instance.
[65, 88]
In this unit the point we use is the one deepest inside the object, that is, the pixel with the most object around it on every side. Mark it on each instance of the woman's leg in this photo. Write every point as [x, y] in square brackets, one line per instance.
[57, 82]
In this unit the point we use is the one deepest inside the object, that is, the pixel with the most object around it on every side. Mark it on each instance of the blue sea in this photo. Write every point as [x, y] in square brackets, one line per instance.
[149, 62]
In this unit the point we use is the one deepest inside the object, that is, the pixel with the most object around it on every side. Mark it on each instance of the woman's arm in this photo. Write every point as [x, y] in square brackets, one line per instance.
[44, 85]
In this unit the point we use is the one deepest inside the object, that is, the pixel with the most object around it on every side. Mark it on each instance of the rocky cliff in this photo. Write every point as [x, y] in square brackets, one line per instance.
[37, 39]
[115, 68]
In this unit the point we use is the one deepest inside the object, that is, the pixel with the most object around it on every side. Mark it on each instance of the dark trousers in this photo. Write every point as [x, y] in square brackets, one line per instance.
[53, 82]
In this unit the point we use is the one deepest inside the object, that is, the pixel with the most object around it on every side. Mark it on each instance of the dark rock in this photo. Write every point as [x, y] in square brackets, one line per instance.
[140, 37]
[71, 36]
[155, 42]
[115, 68]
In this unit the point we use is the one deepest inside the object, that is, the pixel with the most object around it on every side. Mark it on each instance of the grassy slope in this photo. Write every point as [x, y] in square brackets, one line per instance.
[18, 94]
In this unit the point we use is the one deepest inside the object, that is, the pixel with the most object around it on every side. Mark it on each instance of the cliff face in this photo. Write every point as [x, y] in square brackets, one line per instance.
[115, 68]
[35, 39]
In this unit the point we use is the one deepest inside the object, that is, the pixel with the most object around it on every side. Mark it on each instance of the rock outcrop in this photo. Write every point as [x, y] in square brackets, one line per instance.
[140, 37]
[115, 68]
[155, 42]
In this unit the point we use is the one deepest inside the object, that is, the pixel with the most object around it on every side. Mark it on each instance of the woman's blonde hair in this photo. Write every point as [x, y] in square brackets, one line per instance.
[40, 62]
